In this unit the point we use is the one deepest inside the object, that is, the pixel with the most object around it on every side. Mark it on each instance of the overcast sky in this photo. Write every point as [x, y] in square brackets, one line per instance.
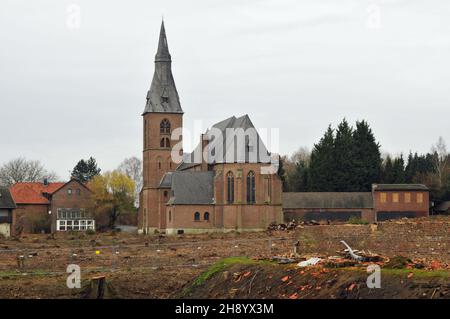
[70, 91]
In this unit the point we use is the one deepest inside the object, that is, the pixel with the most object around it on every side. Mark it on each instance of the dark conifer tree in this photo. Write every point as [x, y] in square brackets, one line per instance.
[322, 164]
[84, 171]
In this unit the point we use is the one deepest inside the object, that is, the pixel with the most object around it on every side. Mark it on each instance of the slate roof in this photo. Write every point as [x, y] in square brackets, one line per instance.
[163, 95]
[166, 180]
[192, 188]
[6, 200]
[230, 154]
[327, 200]
[399, 187]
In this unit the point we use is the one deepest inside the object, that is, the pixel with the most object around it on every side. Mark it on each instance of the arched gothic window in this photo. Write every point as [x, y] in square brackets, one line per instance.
[197, 216]
[165, 142]
[230, 188]
[251, 198]
[164, 127]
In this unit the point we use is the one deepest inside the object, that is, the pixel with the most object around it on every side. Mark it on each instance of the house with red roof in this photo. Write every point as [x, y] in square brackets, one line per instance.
[50, 207]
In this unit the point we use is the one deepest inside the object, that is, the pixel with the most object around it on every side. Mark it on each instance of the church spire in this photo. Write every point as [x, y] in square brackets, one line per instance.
[163, 96]
[163, 55]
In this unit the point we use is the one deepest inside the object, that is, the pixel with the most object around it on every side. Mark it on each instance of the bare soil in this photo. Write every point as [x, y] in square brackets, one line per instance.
[138, 266]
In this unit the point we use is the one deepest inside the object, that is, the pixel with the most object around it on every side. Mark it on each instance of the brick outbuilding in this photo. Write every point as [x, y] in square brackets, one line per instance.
[386, 201]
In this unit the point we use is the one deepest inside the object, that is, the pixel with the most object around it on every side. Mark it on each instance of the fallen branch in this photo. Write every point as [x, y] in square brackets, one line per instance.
[352, 254]
[251, 281]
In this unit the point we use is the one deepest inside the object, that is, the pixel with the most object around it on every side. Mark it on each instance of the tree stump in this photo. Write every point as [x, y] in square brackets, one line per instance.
[98, 285]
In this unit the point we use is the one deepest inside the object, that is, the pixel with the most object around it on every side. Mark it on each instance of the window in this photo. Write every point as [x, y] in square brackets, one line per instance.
[251, 188]
[170, 216]
[145, 133]
[165, 99]
[419, 198]
[69, 191]
[206, 216]
[164, 127]
[197, 216]
[165, 142]
[230, 188]
[165, 194]
[78, 192]
[383, 197]
[395, 197]
[407, 197]
[159, 165]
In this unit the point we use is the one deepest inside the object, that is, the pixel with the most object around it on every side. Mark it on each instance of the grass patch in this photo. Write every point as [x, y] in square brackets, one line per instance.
[36, 272]
[418, 273]
[357, 221]
[218, 267]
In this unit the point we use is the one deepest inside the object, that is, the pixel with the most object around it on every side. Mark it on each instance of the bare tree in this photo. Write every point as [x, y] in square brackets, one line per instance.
[22, 170]
[440, 159]
[132, 167]
[303, 154]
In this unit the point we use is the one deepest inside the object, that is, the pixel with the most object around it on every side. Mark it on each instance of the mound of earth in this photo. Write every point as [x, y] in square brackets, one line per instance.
[243, 278]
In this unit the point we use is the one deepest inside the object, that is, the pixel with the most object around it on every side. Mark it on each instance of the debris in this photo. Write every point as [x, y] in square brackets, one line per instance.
[283, 227]
[283, 260]
[21, 261]
[435, 265]
[398, 262]
[237, 276]
[309, 262]
[294, 296]
[296, 246]
[97, 252]
[410, 275]
[351, 287]
[285, 278]
[352, 254]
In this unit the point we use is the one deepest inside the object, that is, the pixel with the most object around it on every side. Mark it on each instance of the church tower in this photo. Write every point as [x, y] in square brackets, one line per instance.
[162, 115]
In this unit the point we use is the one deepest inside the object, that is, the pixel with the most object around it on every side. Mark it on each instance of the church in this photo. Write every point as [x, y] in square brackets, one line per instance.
[226, 184]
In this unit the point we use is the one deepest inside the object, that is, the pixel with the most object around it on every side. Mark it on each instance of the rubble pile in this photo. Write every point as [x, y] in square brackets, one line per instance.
[282, 227]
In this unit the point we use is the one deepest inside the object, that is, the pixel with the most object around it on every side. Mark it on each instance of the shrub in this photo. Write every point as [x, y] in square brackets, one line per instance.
[357, 221]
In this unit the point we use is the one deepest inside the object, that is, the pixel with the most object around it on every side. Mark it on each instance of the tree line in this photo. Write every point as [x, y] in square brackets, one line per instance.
[349, 159]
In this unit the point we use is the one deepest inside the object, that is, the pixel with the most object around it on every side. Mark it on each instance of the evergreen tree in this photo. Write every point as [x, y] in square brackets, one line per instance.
[387, 175]
[84, 171]
[394, 171]
[399, 170]
[367, 157]
[344, 178]
[322, 164]
[301, 177]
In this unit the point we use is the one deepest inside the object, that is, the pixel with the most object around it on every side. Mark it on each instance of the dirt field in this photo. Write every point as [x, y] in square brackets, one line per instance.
[137, 266]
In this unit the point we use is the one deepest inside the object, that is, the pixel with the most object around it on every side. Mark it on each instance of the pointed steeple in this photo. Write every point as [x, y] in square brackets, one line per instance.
[163, 95]
[163, 55]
